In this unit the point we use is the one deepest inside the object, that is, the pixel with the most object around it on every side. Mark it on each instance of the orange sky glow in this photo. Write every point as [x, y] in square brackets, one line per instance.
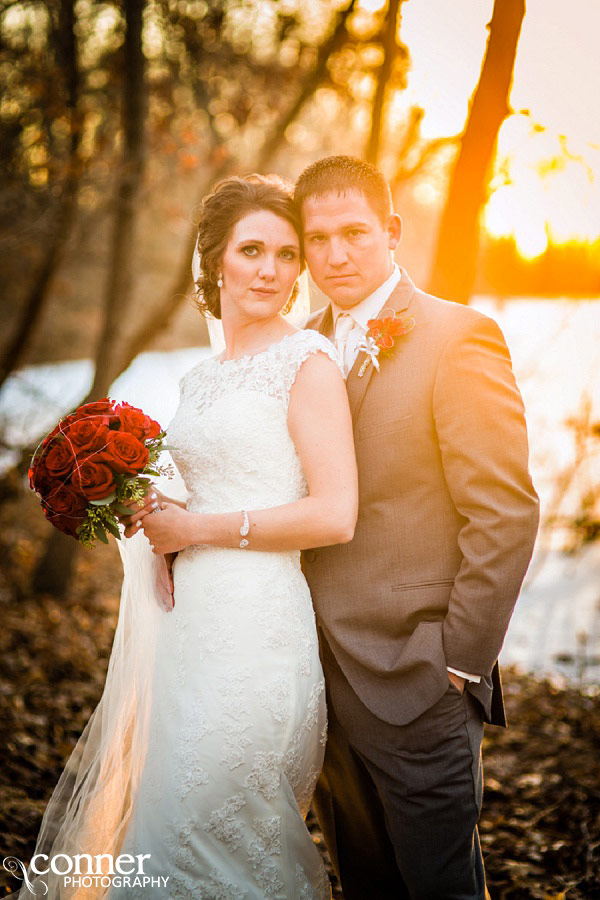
[547, 185]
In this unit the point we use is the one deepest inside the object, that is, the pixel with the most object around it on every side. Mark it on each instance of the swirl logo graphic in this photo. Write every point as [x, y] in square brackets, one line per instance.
[14, 865]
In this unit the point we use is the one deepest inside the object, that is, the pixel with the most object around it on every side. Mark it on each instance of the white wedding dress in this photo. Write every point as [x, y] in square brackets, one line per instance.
[238, 720]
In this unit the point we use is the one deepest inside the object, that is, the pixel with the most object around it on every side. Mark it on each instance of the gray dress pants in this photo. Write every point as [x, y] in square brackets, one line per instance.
[399, 804]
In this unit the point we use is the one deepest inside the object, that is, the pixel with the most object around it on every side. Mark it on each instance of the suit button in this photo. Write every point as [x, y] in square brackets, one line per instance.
[310, 555]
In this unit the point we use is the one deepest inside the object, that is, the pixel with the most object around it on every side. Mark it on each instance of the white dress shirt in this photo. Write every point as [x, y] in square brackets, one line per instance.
[361, 313]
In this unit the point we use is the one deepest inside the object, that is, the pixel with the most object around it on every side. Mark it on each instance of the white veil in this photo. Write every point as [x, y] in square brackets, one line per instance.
[91, 806]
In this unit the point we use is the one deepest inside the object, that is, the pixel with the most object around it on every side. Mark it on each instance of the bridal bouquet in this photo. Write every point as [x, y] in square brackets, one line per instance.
[93, 461]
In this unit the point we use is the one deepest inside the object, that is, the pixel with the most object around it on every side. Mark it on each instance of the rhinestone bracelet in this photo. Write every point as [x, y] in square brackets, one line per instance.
[244, 530]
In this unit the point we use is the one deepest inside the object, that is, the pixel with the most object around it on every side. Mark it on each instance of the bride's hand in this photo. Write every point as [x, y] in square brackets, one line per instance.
[165, 528]
[164, 584]
[141, 508]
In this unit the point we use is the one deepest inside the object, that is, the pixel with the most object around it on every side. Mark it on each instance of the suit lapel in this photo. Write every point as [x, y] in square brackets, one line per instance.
[325, 326]
[398, 301]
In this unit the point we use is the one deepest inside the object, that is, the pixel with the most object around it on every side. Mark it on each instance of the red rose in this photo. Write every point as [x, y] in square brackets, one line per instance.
[102, 409]
[136, 422]
[124, 453]
[39, 478]
[61, 427]
[66, 501]
[94, 479]
[59, 458]
[49, 436]
[66, 524]
[88, 434]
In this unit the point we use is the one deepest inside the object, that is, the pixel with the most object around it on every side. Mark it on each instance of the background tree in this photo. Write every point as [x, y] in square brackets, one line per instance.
[455, 260]
[54, 569]
[63, 90]
[121, 263]
[391, 52]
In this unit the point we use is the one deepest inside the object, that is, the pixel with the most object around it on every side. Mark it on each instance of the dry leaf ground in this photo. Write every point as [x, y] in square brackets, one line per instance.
[540, 827]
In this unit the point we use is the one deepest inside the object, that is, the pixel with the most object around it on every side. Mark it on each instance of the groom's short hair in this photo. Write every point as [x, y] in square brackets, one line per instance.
[345, 173]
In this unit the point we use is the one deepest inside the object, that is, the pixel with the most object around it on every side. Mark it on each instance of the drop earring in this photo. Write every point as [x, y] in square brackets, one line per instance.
[220, 281]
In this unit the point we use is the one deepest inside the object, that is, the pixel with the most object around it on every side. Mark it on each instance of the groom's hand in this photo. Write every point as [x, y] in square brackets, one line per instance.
[457, 681]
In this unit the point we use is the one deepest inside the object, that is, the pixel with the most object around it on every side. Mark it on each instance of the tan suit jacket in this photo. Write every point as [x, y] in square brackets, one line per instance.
[447, 519]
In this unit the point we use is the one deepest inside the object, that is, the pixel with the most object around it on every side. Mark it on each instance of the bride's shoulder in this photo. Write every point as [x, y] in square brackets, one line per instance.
[304, 344]
[308, 341]
[198, 370]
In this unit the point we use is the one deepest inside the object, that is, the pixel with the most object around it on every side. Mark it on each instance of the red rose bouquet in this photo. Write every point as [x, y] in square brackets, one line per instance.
[91, 463]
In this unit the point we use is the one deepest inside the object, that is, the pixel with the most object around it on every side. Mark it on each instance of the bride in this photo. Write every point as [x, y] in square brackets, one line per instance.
[200, 761]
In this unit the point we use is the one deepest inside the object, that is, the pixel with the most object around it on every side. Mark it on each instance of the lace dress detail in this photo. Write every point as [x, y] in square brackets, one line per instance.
[238, 722]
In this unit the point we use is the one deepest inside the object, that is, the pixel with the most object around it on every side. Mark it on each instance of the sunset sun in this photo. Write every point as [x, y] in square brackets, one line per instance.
[546, 191]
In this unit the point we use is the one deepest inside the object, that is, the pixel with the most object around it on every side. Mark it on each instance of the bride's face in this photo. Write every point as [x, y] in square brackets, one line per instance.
[259, 267]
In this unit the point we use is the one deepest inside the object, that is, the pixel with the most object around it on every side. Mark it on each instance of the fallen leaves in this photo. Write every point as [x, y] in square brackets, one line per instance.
[540, 827]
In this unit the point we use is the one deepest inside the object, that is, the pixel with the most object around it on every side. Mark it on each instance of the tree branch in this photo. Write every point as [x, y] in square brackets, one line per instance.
[390, 51]
[309, 86]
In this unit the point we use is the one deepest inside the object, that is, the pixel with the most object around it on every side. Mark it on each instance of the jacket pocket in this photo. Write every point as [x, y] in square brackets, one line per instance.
[423, 602]
[367, 431]
[416, 585]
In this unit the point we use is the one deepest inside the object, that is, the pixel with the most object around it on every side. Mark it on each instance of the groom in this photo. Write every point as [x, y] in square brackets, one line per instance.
[413, 611]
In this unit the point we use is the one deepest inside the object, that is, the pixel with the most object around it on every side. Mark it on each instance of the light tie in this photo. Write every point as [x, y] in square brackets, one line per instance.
[343, 326]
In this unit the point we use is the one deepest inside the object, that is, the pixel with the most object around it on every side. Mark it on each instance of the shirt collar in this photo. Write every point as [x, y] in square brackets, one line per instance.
[370, 306]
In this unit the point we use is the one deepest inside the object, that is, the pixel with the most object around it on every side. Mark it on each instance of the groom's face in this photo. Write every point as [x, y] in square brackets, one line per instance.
[347, 246]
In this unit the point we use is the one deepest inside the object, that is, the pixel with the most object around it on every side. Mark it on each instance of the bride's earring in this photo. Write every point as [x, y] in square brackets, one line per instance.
[220, 281]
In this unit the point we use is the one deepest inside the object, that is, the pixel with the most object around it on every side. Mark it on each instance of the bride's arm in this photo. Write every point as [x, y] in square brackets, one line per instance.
[320, 424]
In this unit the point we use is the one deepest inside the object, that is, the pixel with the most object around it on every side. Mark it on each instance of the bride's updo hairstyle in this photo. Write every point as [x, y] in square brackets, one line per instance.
[228, 202]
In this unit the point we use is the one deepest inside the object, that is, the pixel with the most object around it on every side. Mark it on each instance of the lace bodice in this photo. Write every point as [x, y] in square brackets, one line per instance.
[232, 418]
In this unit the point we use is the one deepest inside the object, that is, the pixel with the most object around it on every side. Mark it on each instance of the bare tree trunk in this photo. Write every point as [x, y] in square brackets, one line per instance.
[455, 260]
[390, 51]
[66, 52]
[54, 569]
[120, 270]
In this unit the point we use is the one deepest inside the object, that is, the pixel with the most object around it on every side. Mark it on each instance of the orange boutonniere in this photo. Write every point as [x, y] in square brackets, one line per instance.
[380, 338]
